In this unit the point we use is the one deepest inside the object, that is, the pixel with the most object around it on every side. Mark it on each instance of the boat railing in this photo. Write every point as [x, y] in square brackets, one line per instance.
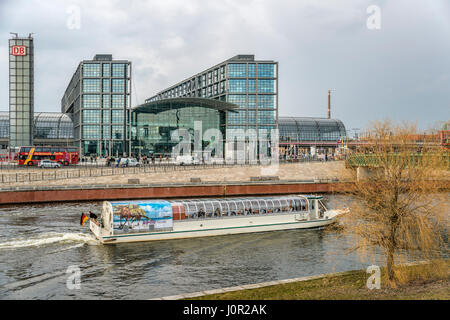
[232, 207]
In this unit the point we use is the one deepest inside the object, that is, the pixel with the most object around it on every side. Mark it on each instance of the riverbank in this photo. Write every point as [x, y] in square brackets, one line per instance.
[83, 176]
[48, 194]
[349, 285]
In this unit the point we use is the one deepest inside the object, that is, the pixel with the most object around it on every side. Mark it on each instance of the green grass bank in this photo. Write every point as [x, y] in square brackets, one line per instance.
[420, 282]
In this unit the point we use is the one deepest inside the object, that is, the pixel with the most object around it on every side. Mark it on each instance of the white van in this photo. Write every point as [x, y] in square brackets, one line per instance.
[184, 159]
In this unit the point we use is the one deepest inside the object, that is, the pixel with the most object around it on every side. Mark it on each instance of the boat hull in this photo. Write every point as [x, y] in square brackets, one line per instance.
[216, 227]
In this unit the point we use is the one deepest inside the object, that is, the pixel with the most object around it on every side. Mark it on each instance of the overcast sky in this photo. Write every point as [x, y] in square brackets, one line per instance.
[400, 71]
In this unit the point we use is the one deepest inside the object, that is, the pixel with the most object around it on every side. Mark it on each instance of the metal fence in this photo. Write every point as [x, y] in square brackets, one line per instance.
[83, 172]
[34, 174]
[5, 166]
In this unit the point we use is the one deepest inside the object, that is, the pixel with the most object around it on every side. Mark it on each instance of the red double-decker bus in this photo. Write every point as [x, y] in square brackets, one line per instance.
[30, 156]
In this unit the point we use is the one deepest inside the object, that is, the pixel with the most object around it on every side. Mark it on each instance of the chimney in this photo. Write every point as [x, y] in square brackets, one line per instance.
[329, 104]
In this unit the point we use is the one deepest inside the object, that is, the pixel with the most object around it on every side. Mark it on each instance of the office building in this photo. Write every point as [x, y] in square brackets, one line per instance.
[98, 100]
[251, 84]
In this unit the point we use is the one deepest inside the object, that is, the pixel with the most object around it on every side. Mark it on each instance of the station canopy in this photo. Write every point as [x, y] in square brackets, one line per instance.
[178, 103]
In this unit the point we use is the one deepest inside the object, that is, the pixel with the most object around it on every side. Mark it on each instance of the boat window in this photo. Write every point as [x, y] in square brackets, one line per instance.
[210, 208]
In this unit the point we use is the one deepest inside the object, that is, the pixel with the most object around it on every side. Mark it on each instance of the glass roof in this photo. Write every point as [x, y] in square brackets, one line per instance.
[309, 129]
[47, 125]
[176, 103]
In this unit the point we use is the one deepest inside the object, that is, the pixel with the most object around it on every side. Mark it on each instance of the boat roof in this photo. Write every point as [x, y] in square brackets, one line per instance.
[255, 198]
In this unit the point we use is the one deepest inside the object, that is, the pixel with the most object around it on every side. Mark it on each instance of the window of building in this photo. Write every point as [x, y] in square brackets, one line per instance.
[117, 116]
[266, 117]
[252, 86]
[117, 132]
[117, 85]
[91, 70]
[252, 101]
[266, 101]
[265, 70]
[266, 86]
[251, 116]
[117, 101]
[91, 85]
[106, 116]
[106, 134]
[91, 116]
[91, 101]
[106, 85]
[237, 118]
[238, 70]
[106, 70]
[91, 132]
[238, 99]
[106, 101]
[252, 70]
[118, 70]
[237, 86]
[235, 133]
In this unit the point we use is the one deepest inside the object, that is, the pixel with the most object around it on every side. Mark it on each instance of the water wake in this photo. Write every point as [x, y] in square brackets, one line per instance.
[49, 238]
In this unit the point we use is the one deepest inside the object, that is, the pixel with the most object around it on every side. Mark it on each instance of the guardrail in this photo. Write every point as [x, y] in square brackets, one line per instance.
[82, 172]
[76, 172]
[380, 159]
[102, 164]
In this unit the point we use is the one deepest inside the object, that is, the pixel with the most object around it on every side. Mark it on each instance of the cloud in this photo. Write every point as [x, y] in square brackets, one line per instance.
[399, 71]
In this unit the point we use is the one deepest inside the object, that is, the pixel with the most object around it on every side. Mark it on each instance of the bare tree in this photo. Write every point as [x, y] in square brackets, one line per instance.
[398, 205]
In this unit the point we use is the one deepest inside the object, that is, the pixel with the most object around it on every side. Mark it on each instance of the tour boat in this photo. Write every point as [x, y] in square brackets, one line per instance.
[148, 220]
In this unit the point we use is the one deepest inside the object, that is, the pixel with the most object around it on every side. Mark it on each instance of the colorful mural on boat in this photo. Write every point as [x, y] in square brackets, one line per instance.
[155, 215]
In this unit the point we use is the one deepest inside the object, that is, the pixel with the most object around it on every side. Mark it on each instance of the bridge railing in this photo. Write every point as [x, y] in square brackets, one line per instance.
[410, 160]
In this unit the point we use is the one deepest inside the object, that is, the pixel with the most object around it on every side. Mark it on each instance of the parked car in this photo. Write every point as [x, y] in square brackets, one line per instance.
[129, 162]
[48, 164]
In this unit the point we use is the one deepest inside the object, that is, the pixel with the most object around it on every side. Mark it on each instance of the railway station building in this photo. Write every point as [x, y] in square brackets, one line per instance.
[98, 100]
[154, 122]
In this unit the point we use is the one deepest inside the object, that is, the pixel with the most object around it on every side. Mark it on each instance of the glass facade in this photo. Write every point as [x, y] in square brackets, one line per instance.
[153, 123]
[21, 91]
[251, 84]
[4, 127]
[98, 99]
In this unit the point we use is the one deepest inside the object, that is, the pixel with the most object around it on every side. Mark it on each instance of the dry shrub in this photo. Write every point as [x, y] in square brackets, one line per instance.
[399, 209]
[431, 270]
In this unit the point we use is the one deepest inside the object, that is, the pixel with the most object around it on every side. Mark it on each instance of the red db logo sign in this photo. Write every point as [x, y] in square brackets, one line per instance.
[19, 50]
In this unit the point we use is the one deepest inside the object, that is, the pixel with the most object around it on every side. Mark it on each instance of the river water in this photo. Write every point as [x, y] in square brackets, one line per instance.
[38, 243]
